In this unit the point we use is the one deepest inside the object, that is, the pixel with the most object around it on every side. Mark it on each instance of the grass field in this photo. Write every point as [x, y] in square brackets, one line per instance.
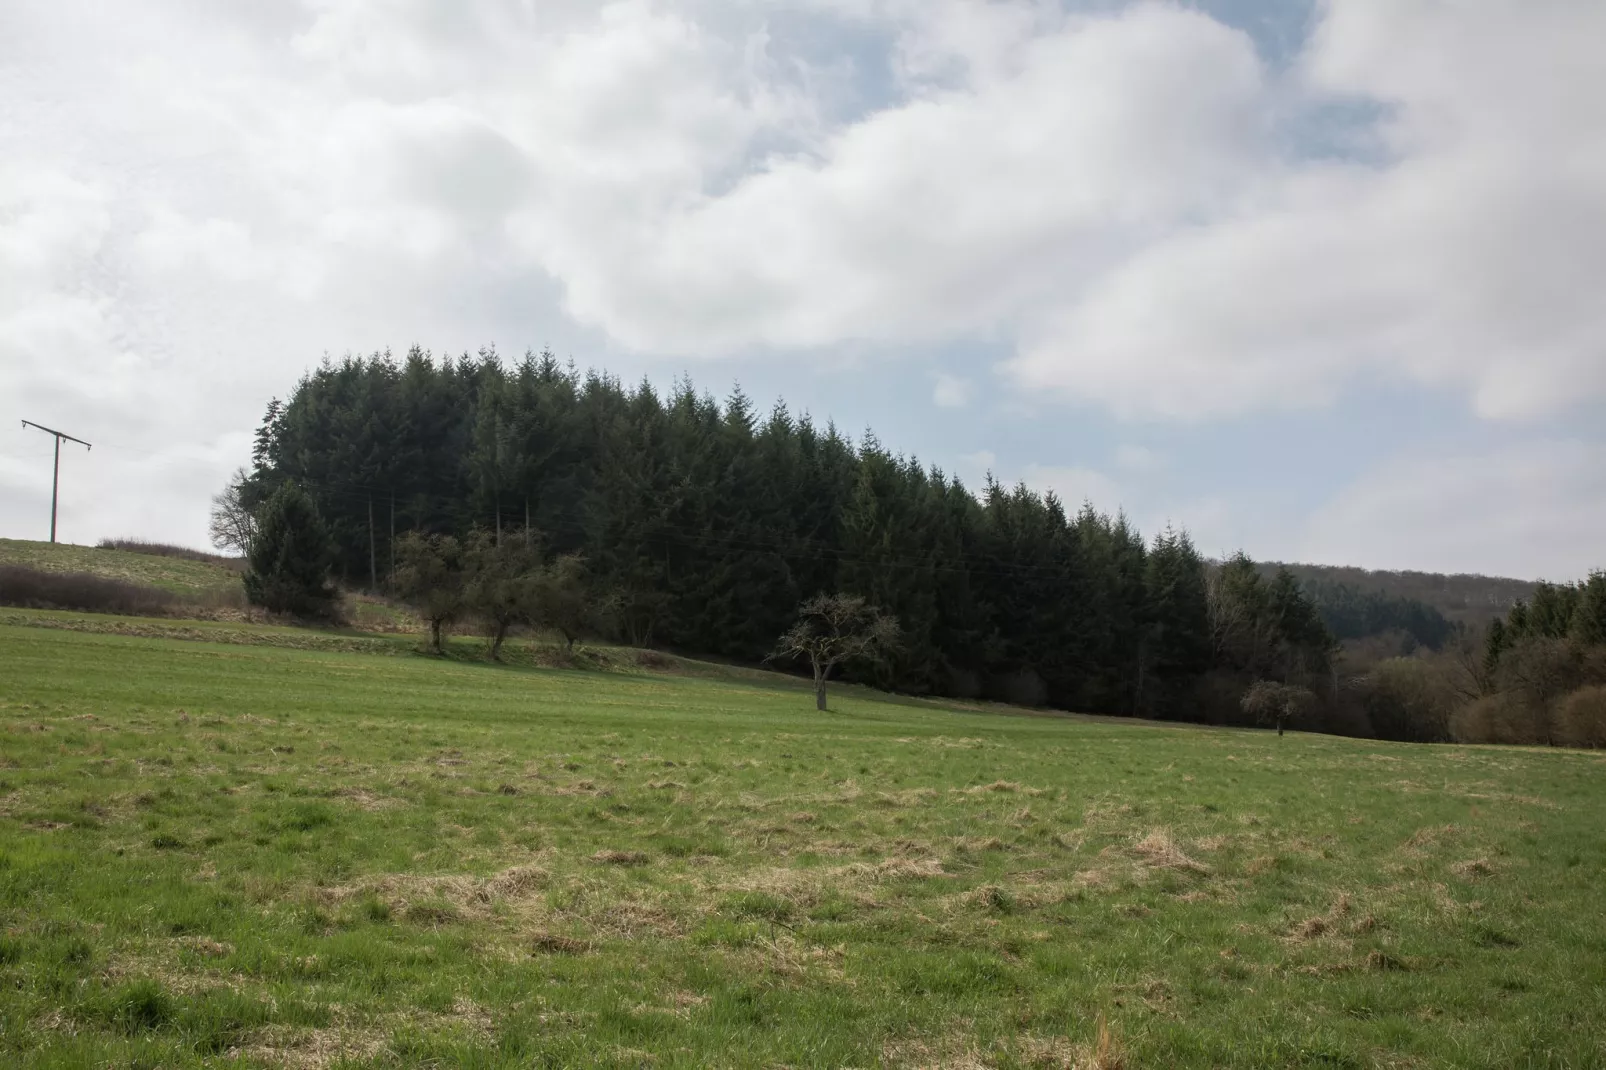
[237, 853]
[180, 576]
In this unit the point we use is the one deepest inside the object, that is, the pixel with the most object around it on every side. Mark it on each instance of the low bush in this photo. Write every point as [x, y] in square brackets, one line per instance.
[31, 588]
[1580, 718]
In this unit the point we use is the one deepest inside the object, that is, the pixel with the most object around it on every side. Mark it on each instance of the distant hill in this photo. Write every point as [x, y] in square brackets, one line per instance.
[1462, 598]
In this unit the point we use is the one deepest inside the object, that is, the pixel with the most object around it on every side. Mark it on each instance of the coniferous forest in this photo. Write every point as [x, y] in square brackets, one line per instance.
[705, 524]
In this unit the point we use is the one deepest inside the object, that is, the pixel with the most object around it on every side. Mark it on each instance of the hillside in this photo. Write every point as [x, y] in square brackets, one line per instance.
[309, 857]
[1468, 599]
[173, 574]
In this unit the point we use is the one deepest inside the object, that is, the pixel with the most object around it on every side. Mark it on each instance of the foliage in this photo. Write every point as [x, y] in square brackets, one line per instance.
[1269, 702]
[833, 629]
[262, 856]
[288, 570]
[1581, 718]
[1462, 599]
[498, 584]
[1265, 629]
[1411, 700]
[1351, 612]
[563, 599]
[703, 524]
[430, 575]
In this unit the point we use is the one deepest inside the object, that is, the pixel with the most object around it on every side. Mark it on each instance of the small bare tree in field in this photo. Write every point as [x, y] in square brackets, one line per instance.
[431, 578]
[1270, 702]
[233, 525]
[836, 628]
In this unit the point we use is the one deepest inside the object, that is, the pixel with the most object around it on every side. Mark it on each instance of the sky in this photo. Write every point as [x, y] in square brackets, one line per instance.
[1323, 280]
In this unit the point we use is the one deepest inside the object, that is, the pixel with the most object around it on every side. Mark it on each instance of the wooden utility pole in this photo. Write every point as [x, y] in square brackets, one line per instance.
[55, 478]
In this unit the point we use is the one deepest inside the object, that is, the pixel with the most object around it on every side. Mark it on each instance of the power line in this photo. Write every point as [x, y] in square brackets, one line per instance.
[55, 478]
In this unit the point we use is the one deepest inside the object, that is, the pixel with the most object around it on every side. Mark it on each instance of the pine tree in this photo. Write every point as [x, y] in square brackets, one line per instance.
[290, 556]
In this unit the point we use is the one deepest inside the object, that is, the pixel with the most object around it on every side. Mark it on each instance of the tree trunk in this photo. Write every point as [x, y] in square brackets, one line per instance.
[1279, 727]
[435, 636]
[496, 641]
[819, 688]
[373, 554]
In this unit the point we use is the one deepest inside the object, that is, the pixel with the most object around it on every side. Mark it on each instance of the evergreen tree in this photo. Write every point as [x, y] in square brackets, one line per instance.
[703, 523]
[290, 555]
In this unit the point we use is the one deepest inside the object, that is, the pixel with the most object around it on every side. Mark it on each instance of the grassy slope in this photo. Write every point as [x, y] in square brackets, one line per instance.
[169, 573]
[213, 852]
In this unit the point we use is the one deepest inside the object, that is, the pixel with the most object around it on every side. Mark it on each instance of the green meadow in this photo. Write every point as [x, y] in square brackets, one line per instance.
[247, 847]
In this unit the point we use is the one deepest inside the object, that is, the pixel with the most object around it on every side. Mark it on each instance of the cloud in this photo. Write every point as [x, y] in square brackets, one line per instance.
[1534, 510]
[200, 200]
[947, 214]
[1075, 486]
[951, 391]
[1134, 458]
[1467, 259]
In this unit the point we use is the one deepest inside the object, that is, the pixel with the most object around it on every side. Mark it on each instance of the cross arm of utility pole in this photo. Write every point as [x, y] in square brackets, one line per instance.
[58, 434]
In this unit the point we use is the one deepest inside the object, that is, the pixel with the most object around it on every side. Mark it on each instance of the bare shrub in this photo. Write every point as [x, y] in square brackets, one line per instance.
[163, 549]
[32, 588]
[1580, 718]
[1409, 699]
[1542, 670]
[1507, 717]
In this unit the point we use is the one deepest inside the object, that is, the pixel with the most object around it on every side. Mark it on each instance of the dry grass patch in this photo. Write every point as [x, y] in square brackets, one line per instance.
[620, 858]
[1473, 869]
[311, 1049]
[558, 944]
[1425, 839]
[1158, 850]
[434, 899]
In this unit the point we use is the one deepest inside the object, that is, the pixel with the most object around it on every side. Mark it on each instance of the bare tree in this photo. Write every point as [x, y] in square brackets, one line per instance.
[1268, 701]
[234, 525]
[836, 628]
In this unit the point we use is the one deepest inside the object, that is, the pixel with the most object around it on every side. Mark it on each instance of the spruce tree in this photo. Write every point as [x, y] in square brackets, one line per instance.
[290, 556]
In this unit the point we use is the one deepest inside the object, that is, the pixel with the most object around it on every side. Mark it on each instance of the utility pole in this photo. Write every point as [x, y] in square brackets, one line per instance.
[55, 479]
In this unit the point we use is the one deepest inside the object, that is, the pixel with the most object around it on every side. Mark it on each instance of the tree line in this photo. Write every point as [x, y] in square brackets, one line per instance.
[701, 526]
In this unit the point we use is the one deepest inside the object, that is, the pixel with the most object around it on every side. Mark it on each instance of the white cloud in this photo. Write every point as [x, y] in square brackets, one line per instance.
[951, 391]
[200, 199]
[1470, 259]
[1075, 486]
[1535, 510]
[1135, 458]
